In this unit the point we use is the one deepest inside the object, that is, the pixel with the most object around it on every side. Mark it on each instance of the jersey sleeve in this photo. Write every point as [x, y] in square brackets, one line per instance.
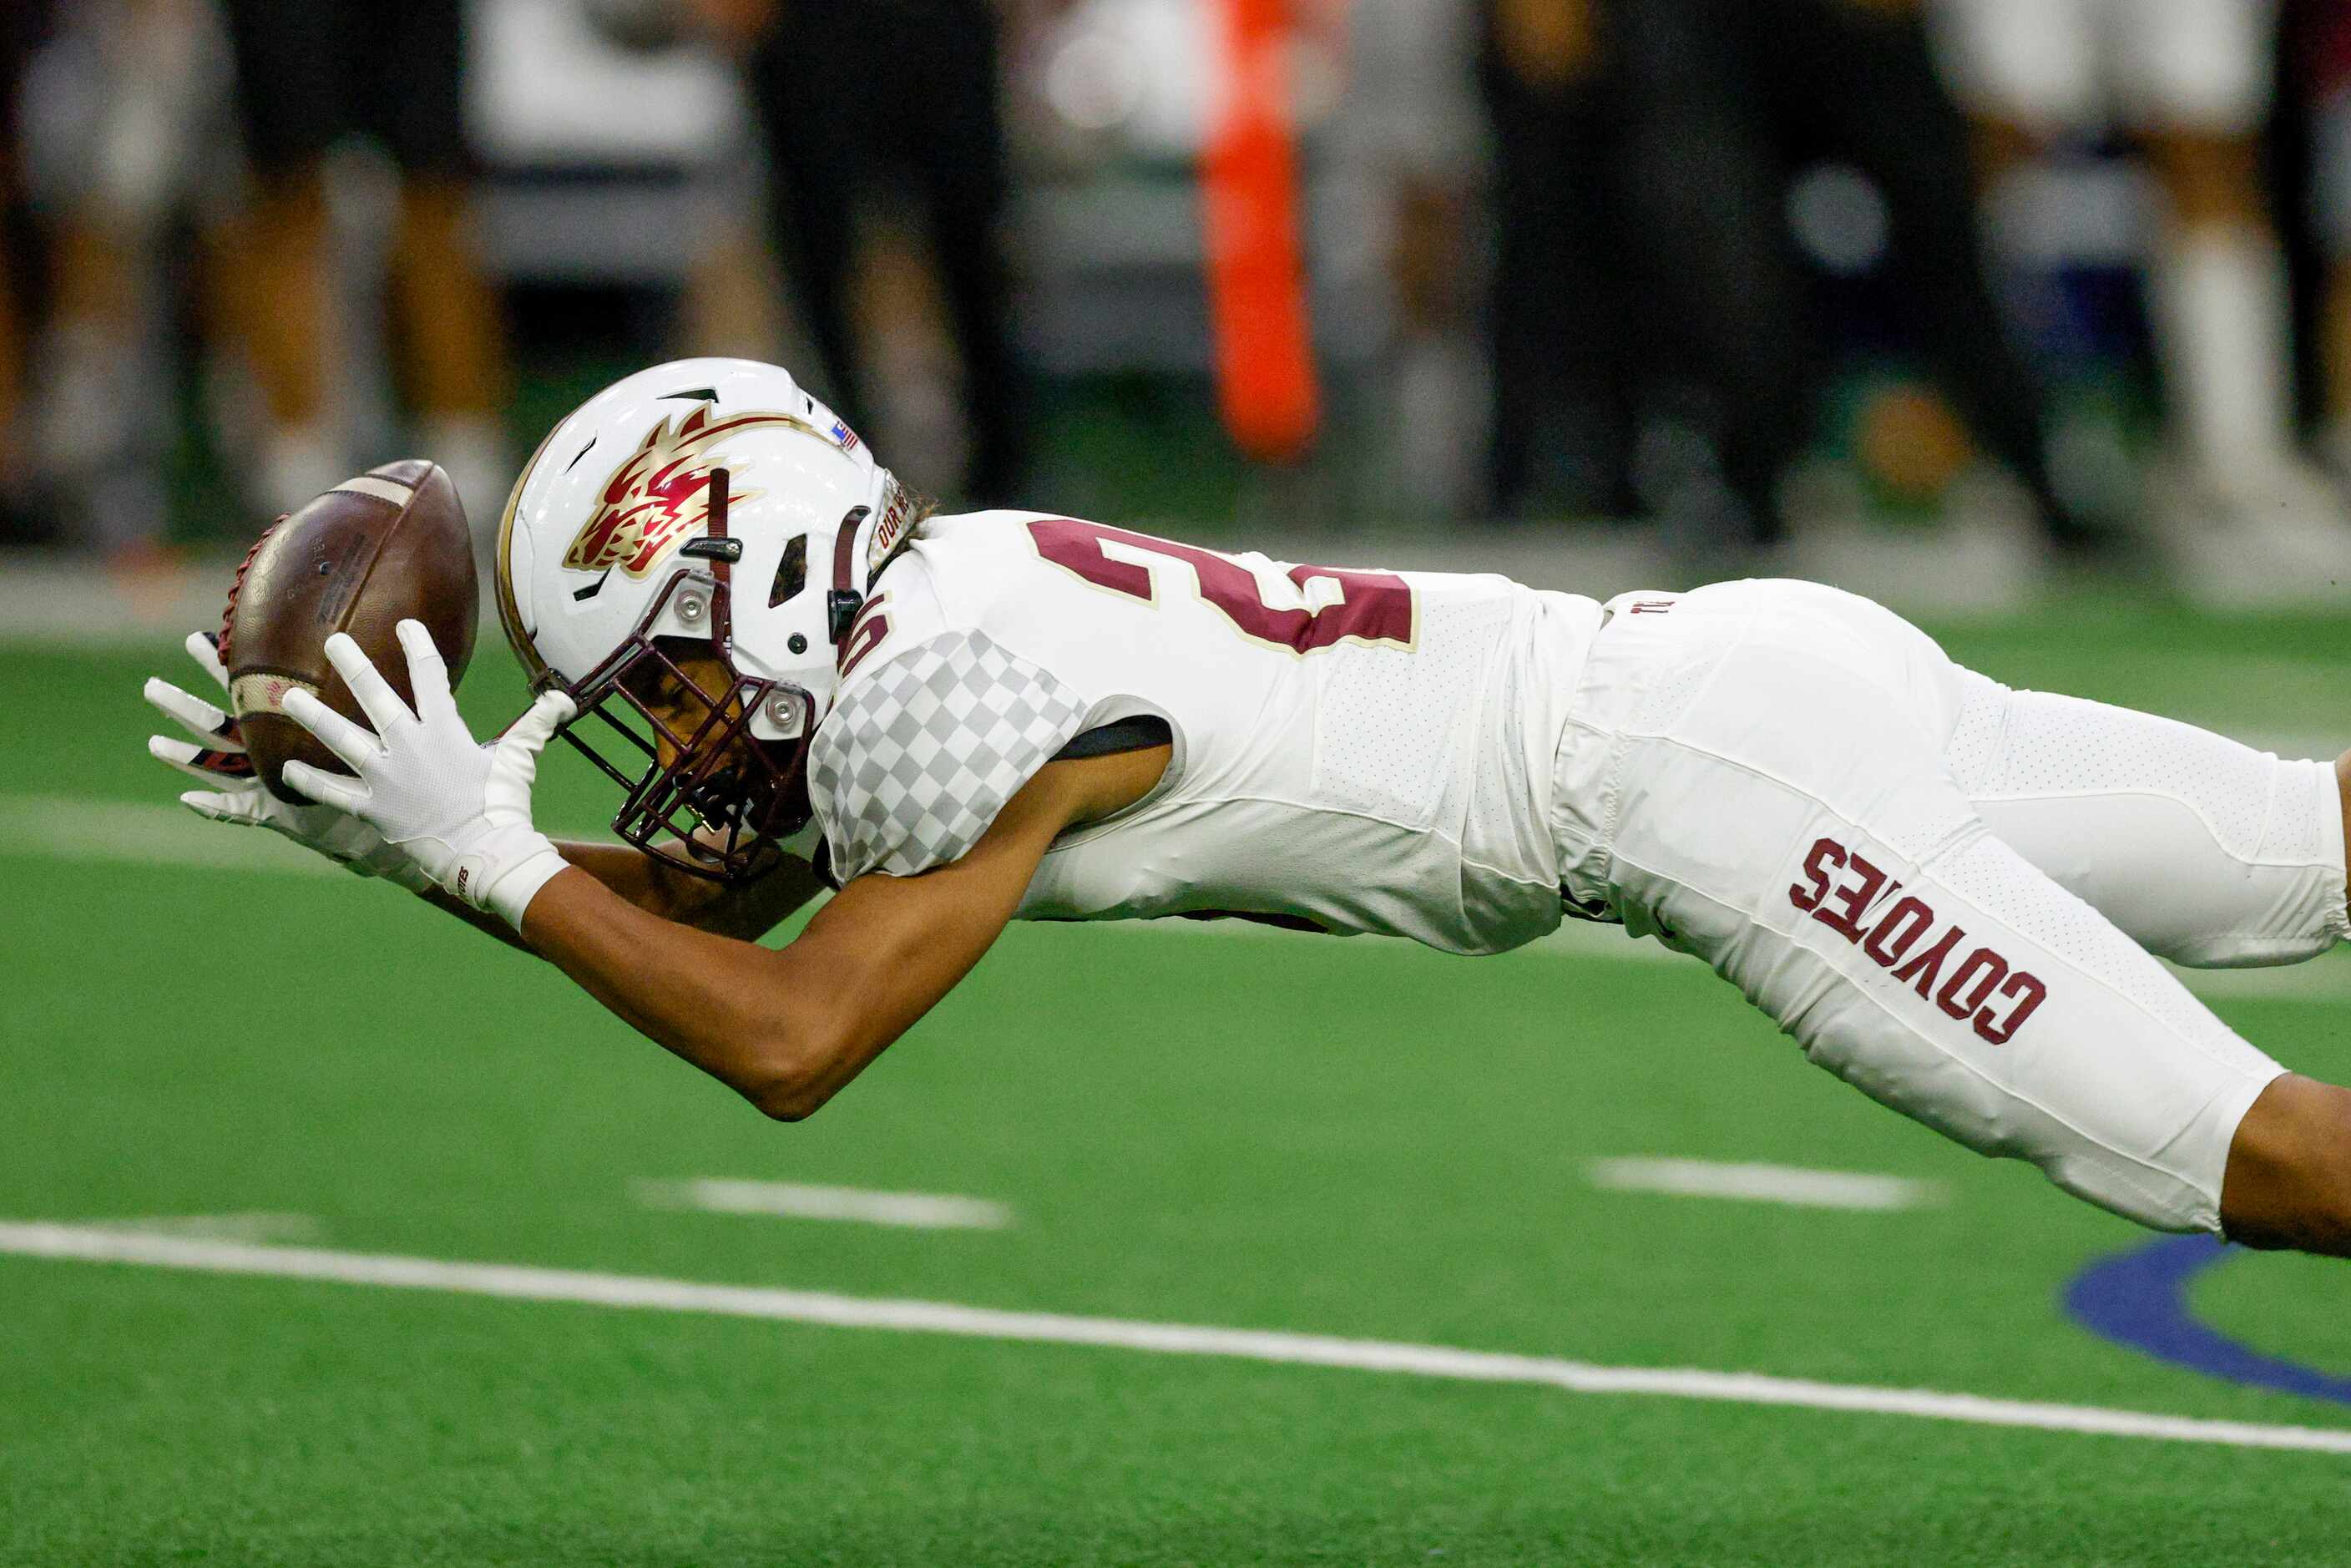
[918, 757]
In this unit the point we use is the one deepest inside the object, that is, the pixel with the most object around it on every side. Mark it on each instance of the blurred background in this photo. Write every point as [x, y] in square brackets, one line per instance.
[1947, 301]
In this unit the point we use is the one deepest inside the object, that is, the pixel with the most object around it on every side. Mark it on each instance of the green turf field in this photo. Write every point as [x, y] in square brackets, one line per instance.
[1248, 1131]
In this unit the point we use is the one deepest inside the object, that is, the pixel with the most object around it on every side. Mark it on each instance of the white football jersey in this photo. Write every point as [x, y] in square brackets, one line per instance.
[1367, 751]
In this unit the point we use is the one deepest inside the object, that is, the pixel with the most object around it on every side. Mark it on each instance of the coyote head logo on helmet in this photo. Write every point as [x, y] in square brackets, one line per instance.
[662, 494]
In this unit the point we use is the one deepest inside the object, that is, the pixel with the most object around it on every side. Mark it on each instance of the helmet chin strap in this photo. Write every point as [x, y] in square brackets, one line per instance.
[722, 552]
[722, 617]
[847, 596]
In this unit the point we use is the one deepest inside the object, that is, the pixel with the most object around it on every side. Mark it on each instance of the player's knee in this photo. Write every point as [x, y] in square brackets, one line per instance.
[2289, 1174]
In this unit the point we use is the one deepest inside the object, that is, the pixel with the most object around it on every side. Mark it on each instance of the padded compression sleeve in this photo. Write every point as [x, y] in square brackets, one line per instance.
[2204, 850]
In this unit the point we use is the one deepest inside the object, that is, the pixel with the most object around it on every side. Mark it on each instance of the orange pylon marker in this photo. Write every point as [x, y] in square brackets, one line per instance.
[1258, 310]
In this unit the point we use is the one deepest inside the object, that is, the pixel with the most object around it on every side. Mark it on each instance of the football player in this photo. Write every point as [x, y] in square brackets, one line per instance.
[1949, 892]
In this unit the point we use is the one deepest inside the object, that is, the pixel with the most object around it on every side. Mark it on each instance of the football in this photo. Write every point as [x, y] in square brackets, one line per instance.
[389, 546]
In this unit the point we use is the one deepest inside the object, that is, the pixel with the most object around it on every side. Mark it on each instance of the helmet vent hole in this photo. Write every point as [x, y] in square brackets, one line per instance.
[791, 573]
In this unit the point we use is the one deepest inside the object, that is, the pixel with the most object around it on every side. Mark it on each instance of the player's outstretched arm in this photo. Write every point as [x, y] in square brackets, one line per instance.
[211, 752]
[787, 1029]
[747, 910]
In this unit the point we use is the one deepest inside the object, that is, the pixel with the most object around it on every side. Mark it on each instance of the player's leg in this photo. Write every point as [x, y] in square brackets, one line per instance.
[13, 336]
[2025, 71]
[290, 107]
[452, 348]
[2328, 106]
[2205, 852]
[958, 158]
[1559, 406]
[2289, 1174]
[812, 116]
[2199, 87]
[24, 27]
[1869, 72]
[1713, 275]
[1768, 795]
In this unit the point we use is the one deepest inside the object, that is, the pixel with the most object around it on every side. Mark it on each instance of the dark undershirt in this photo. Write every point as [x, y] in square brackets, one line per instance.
[1140, 733]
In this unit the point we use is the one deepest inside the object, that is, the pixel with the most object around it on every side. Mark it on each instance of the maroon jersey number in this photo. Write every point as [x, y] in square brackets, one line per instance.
[1374, 606]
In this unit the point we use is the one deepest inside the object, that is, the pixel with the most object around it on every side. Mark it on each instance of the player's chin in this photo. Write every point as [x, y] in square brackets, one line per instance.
[743, 801]
[710, 846]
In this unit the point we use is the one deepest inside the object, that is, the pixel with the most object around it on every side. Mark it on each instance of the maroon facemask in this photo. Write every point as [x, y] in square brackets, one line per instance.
[703, 793]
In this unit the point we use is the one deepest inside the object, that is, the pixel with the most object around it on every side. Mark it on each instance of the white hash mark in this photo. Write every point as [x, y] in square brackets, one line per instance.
[1794, 1185]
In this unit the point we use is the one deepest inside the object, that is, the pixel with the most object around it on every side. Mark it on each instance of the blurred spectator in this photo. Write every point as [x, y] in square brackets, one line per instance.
[849, 97]
[126, 146]
[2321, 72]
[1671, 130]
[1409, 127]
[1562, 417]
[2190, 80]
[1719, 310]
[20, 25]
[309, 75]
[1860, 78]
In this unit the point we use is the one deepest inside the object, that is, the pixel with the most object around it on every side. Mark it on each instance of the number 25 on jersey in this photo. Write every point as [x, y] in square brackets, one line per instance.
[1374, 607]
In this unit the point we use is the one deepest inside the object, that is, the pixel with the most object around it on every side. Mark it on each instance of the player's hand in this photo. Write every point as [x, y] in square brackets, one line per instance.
[462, 810]
[233, 793]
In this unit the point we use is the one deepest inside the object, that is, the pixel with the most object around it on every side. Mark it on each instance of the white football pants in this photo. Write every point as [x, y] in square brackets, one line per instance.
[1946, 891]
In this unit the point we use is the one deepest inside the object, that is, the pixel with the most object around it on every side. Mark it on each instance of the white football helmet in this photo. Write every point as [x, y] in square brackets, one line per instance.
[710, 507]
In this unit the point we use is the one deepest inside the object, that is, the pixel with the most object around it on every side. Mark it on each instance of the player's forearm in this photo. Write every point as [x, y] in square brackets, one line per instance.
[488, 925]
[788, 1029]
[719, 1002]
[746, 913]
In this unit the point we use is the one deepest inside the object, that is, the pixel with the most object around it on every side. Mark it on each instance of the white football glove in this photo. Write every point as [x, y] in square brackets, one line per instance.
[460, 811]
[233, 793]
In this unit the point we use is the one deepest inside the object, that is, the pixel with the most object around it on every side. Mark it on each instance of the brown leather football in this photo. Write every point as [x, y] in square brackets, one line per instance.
[387, 547]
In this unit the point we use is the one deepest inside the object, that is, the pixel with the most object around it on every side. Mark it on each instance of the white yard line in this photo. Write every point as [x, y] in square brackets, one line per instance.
[251, 1227]
[112, 832]
[160, 834]
[796, 1200]
[515, 1282]
[1793, 1184]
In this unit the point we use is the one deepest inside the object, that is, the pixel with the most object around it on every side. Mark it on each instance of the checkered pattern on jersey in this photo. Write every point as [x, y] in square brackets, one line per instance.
[918, 757]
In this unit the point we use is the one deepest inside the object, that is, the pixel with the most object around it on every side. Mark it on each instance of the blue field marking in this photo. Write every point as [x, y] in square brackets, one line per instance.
[2139, 1299]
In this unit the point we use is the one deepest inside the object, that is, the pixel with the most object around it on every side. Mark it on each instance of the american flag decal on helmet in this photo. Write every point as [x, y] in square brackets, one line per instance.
[844, 437]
